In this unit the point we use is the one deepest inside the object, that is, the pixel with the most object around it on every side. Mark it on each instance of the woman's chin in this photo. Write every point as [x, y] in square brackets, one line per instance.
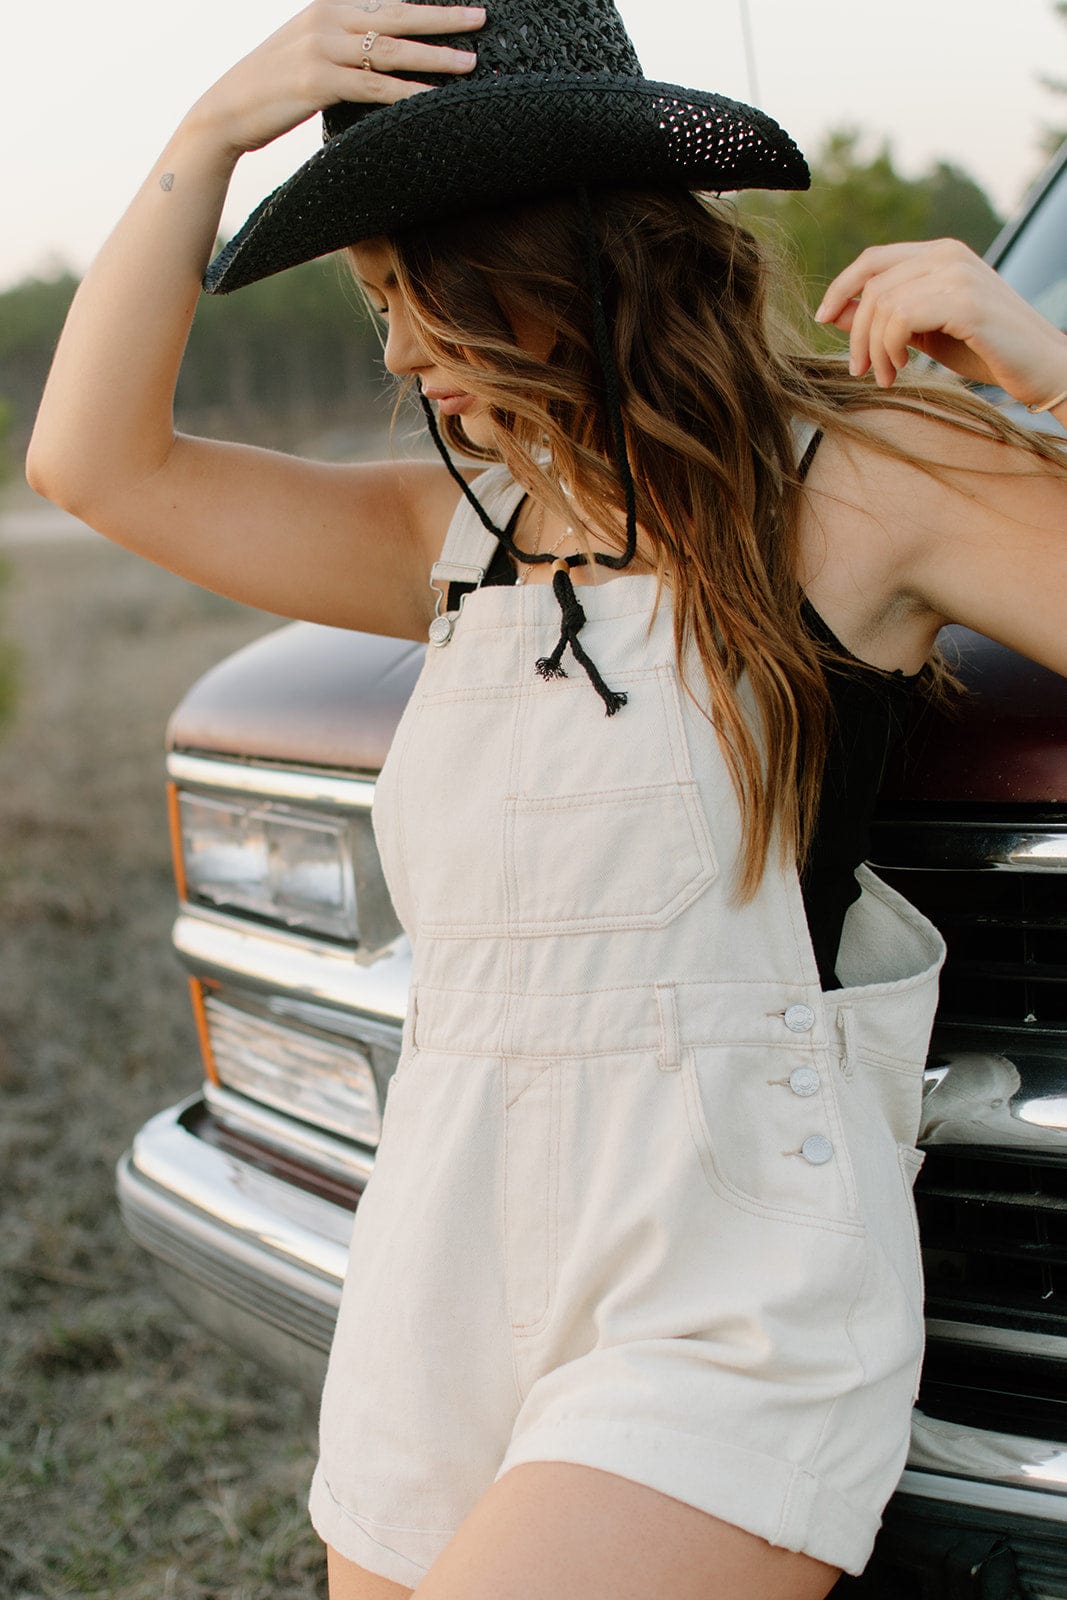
[481, 430]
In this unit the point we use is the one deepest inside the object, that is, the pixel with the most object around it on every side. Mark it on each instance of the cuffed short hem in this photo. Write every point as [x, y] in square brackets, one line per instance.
[374, 1545]
[775, 1499]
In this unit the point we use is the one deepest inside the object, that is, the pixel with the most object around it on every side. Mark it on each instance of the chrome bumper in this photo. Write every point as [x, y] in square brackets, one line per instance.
[248, 1254]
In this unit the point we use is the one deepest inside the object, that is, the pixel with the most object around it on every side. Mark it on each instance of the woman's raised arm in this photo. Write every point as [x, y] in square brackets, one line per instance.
[337, 544]
[985, 542]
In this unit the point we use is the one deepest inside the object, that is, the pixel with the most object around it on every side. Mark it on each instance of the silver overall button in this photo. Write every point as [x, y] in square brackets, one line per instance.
[440, 630]
[799, 1019]
[817, 1149]
[804, 1081]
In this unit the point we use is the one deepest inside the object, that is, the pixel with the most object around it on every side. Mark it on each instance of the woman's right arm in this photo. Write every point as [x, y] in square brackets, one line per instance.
[340, 544]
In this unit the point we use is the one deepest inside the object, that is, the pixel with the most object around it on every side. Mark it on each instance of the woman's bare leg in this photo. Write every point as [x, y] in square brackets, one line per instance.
[349, 1582]
[549, 1530]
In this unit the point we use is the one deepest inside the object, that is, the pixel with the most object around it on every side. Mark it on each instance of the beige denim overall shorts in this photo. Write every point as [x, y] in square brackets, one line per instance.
[643, 1196]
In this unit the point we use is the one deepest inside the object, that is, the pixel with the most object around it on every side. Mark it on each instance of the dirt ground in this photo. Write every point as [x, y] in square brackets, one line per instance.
[139, 1460]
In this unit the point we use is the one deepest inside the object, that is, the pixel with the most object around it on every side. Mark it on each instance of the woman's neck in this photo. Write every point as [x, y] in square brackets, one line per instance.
[540, 530]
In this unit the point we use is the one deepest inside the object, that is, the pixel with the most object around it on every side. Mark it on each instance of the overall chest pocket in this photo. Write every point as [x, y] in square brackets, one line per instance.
[604, 828]
[525, 812]
[605, 860]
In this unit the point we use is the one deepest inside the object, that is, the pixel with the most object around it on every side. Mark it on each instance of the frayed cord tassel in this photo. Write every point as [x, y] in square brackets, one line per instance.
[614, 699]
[549, 666]
[573, 621]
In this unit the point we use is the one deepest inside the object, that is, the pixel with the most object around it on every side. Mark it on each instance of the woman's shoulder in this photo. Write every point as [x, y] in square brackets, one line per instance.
[917, 517]
[434, 496]
[954, 433]
[869, 505]
[918, 476]
[900, 475]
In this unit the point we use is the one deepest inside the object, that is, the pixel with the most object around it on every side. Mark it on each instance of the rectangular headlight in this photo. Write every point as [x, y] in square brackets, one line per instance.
[292, 867]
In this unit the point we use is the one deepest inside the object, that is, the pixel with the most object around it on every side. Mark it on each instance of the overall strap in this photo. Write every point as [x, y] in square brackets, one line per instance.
[469, 547]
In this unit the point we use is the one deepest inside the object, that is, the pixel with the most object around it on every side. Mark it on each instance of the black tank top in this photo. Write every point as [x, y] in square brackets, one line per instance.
[868, 714]
[869, 711]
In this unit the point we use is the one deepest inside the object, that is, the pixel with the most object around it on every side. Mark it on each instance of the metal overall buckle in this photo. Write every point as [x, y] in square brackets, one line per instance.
[442, 575]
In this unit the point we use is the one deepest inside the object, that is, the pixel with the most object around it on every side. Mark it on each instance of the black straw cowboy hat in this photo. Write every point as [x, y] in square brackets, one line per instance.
[556, 101]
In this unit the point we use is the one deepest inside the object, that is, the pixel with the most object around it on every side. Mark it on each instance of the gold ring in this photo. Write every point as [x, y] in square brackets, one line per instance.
[368, 46]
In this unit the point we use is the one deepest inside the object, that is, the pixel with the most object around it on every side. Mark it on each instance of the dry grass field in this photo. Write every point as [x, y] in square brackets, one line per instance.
[139, 1460]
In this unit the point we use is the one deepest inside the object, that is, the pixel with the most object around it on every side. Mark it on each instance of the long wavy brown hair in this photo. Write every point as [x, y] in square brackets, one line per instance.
[711, 376]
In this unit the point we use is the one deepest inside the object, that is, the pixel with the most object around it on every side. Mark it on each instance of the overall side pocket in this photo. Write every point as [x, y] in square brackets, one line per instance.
[768, 1132]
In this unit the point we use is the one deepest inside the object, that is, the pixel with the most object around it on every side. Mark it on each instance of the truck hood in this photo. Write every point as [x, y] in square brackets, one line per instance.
[304, 695]
[1003, 742]
[326, 697]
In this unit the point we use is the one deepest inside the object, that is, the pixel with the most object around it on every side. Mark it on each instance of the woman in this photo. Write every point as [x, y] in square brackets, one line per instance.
[634, 1303]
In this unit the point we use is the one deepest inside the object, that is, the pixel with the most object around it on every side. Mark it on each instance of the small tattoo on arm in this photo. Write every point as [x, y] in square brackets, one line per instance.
[167, 181]
[368, 5]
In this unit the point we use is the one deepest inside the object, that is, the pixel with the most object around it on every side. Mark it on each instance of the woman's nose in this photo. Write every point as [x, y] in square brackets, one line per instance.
[403, 352]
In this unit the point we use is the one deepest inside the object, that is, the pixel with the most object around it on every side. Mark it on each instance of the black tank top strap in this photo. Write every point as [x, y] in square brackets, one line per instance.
[804, 464]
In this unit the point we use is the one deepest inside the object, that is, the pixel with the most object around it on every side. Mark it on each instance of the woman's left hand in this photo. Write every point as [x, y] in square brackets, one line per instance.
[943, 300]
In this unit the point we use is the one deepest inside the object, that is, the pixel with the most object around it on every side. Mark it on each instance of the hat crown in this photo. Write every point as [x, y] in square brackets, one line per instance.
[556, 36]
[557, 101]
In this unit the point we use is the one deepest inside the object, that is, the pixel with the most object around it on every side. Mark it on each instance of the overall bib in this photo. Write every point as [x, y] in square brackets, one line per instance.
[643, 1196]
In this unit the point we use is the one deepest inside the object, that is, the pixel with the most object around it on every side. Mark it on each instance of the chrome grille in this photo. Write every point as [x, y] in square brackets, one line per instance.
[930, 1550]
[994, 1232]
[1042, 1566]
[1000, 1391]
[992, 1196]
[324, 1079]
[1006, 934]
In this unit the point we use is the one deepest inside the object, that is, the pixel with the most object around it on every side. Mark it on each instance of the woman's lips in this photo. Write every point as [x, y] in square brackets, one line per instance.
[452, 403]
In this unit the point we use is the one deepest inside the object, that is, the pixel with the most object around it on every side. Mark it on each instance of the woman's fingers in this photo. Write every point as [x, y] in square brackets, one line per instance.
[407, 19]
[850, 283]
[370, 32]
[893, 297]
[900, 301]
[375, 88]
[942, 299]
[388, 55]
[317, 58]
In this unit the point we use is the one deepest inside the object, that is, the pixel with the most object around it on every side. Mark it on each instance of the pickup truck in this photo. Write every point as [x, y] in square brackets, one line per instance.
[298, 974]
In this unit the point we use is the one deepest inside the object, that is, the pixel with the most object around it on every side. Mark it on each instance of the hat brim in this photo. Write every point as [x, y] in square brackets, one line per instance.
[470, 145]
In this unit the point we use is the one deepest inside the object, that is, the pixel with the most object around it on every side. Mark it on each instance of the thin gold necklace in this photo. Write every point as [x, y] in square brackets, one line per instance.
[527, 567]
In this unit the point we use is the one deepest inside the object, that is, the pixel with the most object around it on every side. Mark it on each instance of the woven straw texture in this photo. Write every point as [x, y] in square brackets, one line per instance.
[556, 101]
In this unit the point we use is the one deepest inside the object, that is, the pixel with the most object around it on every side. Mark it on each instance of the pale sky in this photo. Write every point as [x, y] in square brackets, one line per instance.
[90, 91]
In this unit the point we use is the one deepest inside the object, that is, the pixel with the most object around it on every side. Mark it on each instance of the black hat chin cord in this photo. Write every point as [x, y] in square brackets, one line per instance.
[573, 615]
